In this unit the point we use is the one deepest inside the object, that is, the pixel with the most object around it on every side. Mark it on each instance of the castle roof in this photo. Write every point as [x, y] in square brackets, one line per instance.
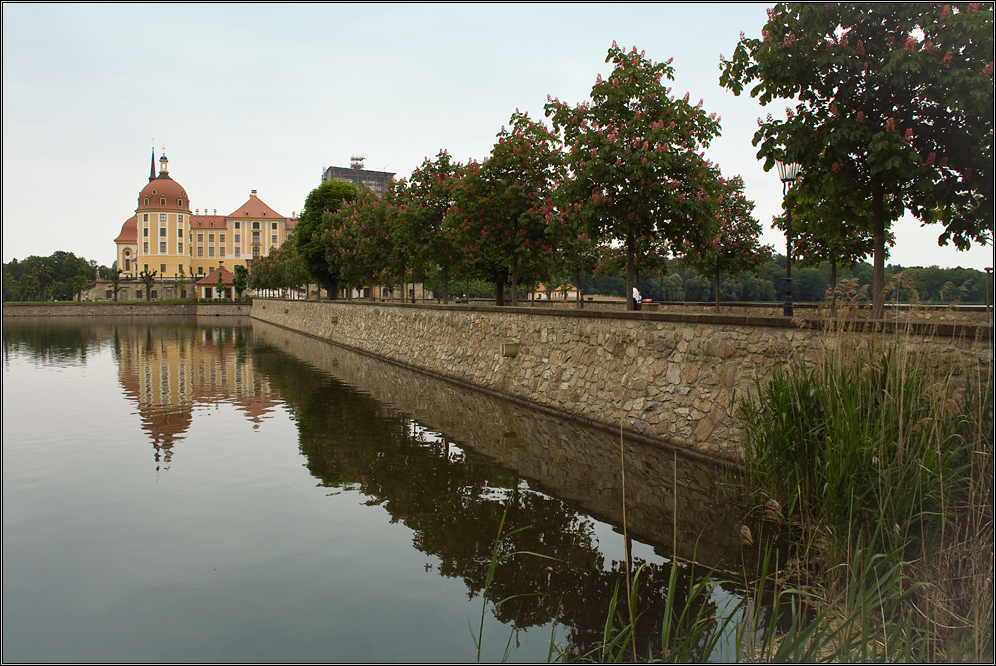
[255, 207]
[227, 277]
[129, 231]
[163, 193]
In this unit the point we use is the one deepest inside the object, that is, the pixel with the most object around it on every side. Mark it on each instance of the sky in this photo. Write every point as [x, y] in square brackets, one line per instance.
[260, 96]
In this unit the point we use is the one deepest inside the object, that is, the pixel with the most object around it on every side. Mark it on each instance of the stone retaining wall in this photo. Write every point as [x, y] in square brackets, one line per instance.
[127, 309]
[671, 499]
[666, 377]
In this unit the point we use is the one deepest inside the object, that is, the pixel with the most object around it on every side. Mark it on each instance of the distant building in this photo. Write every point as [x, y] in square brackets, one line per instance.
[375, 181]
[166, 237]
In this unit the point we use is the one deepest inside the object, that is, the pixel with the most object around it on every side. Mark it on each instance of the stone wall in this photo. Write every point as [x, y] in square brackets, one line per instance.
[666, 377]
[127, 309]
[670, 498]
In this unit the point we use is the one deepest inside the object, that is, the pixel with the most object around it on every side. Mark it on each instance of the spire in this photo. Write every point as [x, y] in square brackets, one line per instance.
[152, 167]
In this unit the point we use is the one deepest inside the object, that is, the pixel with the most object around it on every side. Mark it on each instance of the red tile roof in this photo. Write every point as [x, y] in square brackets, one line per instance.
[212, 278]
[255, 207]
[129, 231]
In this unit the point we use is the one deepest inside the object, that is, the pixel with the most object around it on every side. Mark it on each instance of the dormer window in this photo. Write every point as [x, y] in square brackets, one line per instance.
[162, 201]
[146, 201]
[179, 202]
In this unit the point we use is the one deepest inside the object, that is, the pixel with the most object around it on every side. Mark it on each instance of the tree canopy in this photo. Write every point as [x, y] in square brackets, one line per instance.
[893, 110]
[327, 198]
[638, 176]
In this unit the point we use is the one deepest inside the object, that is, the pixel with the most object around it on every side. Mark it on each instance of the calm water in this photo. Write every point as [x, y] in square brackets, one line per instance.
[189, 490]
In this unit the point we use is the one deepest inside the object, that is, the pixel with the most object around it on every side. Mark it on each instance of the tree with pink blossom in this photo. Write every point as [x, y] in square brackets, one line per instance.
[638, 177]
[732, 235]
[504, 207]
[893, 107]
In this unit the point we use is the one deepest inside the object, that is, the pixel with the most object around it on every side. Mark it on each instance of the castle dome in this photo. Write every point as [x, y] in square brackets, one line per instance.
[163, 193]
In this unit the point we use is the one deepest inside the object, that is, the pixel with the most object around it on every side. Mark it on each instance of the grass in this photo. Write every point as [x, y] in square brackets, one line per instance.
[876, 465]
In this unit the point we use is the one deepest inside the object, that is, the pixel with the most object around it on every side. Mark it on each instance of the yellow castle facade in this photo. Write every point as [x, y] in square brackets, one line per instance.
[166, 238]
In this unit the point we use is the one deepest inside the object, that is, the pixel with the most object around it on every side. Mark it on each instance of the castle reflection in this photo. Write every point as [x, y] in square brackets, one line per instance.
[170, 371]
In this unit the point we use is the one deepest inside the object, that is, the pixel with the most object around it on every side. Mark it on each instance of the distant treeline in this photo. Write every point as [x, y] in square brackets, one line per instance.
[58, 277]
[62, 275]
[809, 284]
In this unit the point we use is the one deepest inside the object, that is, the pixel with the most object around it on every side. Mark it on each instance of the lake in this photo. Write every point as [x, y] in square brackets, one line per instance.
[213, 489]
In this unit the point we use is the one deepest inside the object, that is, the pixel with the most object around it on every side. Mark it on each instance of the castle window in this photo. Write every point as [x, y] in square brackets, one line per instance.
[273, 239]
[162, 247]
[162, 231]
[237, 238]
[145, 216]
[162, 217]
[179, 219]
[237, 252]
[210, 250]
[221, 237]
[221, 252]
[179, 248]
[145, 232]
[236, 224]
[162, 269]
[210, 238]
[146, 202]
[145, 247]
[179, 233]
[179, 202]
[200, 252]
[273, 225]
[255, 225]
[200, 238]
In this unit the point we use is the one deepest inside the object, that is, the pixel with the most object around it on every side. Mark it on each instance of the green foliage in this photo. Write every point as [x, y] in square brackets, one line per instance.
[358, 241]
[894, 109]
[60, 276]
[423, 203]
[882, 469]
[503, 207]
[324, 200]
[732, 245]
[634, 149]
[281, 269]
[241, 281]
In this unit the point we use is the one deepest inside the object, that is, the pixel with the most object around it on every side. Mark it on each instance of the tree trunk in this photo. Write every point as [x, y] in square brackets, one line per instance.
[515, 280]
[499, 293]
[446, 284]
[878, 279]
[401, 296]
[717, 289]
[630, 271]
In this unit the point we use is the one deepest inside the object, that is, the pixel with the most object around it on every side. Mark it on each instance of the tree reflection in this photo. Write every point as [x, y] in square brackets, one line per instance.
[454, 499]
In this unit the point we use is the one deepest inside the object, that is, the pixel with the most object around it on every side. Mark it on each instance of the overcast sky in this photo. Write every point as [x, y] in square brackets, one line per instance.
[265, 96]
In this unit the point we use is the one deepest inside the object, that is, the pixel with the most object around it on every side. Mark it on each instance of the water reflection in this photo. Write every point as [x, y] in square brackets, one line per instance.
[444, 461]
[171, 370]
[454, 460]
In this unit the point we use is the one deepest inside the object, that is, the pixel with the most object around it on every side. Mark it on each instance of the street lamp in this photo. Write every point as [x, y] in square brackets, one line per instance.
[787, 173]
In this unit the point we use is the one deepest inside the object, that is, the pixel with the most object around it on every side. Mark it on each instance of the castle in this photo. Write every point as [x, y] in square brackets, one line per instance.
[164, 237]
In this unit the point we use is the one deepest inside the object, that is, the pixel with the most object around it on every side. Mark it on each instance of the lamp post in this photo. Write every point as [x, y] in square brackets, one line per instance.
[787, 173]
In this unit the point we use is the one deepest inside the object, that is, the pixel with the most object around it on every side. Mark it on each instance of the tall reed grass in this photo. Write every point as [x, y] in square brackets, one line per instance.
[876, 461]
